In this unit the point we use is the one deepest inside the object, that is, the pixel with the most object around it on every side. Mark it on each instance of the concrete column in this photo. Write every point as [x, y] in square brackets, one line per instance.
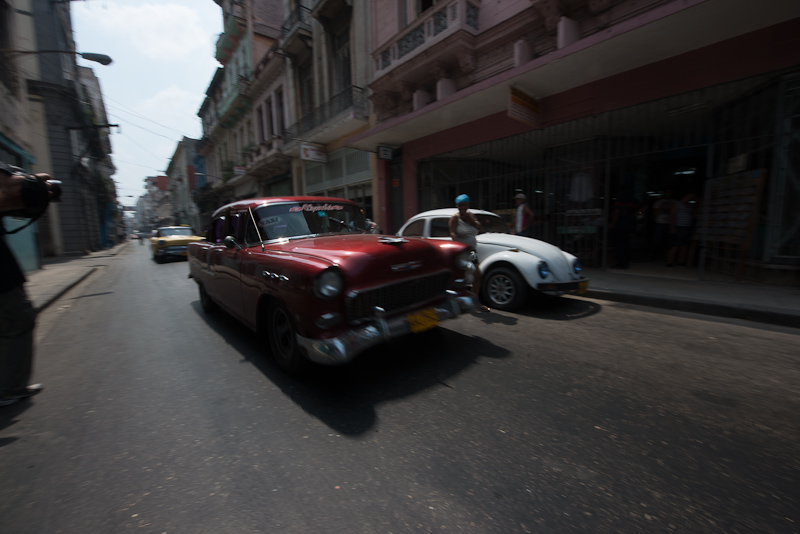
[568, 32]
[522, 52]
[444, 88]
[421, 99]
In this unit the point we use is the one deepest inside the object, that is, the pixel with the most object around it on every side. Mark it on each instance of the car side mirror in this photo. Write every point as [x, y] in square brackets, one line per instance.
[230, 242]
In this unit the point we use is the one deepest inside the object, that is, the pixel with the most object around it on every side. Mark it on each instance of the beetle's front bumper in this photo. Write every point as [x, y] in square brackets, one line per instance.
[344, 348]
[577, 287]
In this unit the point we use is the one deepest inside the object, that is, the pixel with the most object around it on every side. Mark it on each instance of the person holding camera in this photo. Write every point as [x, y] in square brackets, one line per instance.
[20, 196]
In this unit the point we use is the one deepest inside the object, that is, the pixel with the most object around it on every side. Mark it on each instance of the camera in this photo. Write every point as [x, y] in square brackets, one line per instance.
[24, 195]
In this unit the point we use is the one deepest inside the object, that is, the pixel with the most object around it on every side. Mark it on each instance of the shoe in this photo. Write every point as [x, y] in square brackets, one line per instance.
[484, 309]
[29, 391]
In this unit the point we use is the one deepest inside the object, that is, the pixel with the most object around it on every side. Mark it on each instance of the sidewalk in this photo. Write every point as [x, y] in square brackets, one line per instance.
[674, 289]
[59, 275]
[680, 291]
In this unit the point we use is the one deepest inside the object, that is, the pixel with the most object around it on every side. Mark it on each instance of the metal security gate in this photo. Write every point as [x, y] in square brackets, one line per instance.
[571, 172]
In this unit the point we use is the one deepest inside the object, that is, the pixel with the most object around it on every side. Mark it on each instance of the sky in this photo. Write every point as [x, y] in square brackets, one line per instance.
[163, 60]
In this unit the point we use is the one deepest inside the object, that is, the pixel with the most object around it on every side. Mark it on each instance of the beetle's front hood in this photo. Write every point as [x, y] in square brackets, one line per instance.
[541, 249]
[369, 257]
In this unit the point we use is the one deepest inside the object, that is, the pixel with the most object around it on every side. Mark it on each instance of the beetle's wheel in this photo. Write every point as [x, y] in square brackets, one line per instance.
[283, 340]
[504, 289]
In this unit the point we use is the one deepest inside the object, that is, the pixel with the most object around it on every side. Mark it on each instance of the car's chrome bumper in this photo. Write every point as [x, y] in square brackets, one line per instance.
[342, 349]
[175, 250]
[576, 287]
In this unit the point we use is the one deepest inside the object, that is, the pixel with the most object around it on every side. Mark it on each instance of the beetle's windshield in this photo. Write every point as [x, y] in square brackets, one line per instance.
[298, 219]
[492, 224]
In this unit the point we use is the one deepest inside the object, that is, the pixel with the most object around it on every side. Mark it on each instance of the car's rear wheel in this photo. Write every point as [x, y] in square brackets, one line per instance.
[503, 288]
[283, 340]
[208, 305]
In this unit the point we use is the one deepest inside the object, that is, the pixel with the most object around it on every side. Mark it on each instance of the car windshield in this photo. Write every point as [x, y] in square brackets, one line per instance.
[298, 219]
[493, 224]
[163, 232]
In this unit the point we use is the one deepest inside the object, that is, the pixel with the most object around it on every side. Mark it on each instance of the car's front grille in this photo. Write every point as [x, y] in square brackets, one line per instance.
[397, 297]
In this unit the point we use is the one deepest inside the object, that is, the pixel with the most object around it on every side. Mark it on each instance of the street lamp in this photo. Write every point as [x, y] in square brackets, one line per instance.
[88, 56]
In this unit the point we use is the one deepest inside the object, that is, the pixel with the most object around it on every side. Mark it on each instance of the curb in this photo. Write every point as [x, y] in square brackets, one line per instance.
[63, 290]
[755, 314]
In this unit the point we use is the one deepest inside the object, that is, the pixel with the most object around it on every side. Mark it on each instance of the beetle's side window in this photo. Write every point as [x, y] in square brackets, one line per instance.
[415, 228]
[440, 227]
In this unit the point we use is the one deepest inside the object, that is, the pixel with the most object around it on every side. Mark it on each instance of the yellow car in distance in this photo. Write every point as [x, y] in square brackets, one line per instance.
[171, 242]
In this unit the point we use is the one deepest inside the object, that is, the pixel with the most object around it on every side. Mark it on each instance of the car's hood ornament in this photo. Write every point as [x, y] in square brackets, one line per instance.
[409, 266]
[392, 240]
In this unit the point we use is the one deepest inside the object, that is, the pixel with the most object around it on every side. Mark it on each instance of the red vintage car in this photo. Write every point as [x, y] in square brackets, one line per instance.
[307, 272]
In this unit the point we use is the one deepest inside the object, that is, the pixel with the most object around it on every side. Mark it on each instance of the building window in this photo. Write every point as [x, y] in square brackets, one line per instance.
[305, 80]
[269, 121]
[424, 5]
[342, 66]
[279, 111]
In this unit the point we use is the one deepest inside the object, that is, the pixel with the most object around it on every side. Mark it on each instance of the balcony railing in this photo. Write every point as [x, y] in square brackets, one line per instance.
[435, 25]
[300, 15]
[351, 98]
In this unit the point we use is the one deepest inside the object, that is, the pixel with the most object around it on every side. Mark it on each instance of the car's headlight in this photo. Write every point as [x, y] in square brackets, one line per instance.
[544, 269]
[162, 242]
[576, 266]
[329, 284]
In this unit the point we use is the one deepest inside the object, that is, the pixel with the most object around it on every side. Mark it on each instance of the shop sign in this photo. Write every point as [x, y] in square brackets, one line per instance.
[313, 153]
[385, 152]
[239, 171]
[523, 107]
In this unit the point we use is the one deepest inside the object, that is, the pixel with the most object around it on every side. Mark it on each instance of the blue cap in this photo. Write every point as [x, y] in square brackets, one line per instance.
[462, 198]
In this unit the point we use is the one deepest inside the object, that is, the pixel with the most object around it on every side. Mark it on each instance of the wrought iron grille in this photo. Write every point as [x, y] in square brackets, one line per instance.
[351, 98]
[299, 15]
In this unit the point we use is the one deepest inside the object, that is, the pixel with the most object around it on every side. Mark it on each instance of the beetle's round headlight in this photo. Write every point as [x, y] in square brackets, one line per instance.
[162, 242]
[544, 269]
[329, 284]
[577, 267]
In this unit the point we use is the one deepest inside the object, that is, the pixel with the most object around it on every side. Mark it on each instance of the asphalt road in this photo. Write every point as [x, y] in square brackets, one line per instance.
[573, 416]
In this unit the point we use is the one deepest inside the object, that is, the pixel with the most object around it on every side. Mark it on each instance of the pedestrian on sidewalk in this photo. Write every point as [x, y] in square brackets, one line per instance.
[681, 222]
[27, 197]
[524, 216]
[661, 216]
[624, 210]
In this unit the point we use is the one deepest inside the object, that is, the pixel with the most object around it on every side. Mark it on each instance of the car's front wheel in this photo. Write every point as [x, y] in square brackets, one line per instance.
[283, 340]
[504, 289]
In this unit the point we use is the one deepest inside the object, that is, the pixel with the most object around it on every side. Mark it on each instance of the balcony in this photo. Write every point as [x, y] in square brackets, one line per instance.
[267, 159]
[340, 115]
[235, 103]
[296, 31]
[437, 24]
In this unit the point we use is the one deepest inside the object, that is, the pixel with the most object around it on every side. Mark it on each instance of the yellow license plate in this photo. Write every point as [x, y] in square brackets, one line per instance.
[183, 253]
[582, 287]
[422, 320]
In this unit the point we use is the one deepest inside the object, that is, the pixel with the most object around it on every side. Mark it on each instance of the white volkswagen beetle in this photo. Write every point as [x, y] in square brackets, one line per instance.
[510, 264]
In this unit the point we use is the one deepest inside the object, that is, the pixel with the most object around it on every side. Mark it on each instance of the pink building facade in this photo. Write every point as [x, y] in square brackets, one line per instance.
[569, 100]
